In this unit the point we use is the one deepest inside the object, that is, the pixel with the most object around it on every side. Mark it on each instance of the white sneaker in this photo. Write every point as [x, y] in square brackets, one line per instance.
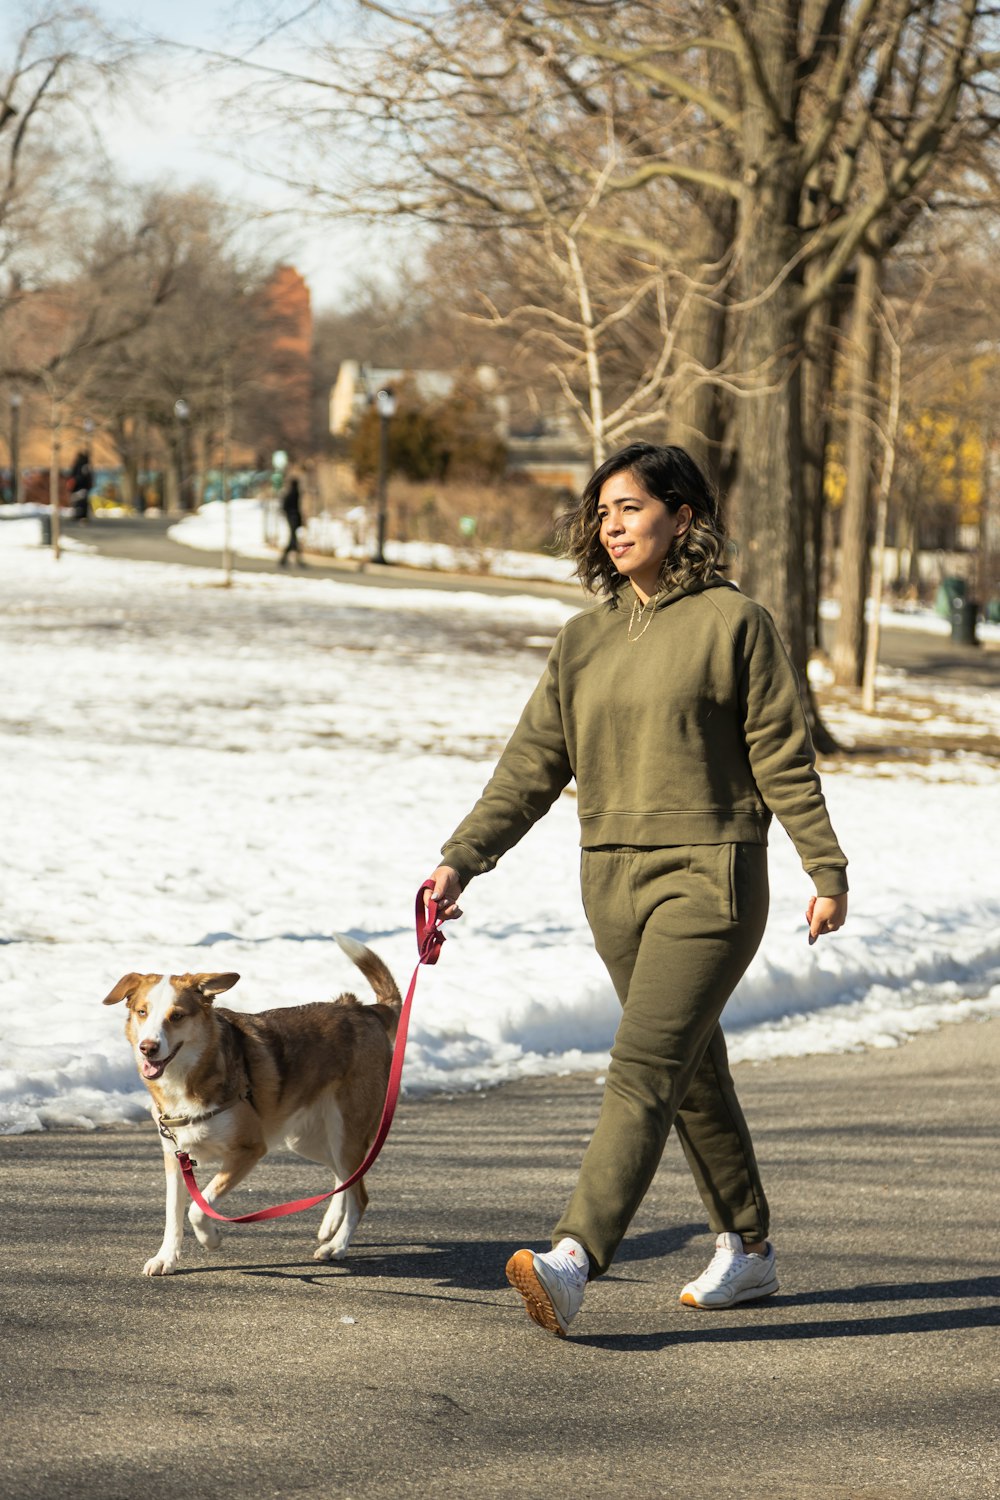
[552, 1284]
[732, 1276]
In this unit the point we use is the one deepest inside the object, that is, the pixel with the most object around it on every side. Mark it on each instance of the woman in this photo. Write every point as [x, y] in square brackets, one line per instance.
[676, 709]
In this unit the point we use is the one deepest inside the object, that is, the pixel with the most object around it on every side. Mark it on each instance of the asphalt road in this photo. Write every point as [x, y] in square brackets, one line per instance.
[145, 539]
[410, 1369]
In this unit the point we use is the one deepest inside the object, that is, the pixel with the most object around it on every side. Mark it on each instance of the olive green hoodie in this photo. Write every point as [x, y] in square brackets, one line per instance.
[691, 733]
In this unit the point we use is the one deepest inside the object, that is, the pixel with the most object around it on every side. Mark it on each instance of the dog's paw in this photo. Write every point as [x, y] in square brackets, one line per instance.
[206, 1230]
[160, 1265]
[330, 1251]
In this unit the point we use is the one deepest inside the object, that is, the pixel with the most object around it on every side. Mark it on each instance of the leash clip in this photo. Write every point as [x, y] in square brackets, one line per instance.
[165, 1131]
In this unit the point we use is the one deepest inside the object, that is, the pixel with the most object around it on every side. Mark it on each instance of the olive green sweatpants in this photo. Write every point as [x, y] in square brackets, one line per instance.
[676, 928]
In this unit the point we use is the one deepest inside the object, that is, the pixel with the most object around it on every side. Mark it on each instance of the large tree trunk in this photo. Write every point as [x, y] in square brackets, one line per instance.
[849, 641]
[772, 494]
[127, 449]
[772, 564]
[769, 419]
[694, 416]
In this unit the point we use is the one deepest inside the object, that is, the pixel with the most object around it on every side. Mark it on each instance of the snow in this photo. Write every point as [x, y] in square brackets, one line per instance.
[906, 616]
[255, 526]
[206, 778]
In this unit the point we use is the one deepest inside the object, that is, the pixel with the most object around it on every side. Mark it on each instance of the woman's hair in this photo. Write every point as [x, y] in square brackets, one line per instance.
[669, 474]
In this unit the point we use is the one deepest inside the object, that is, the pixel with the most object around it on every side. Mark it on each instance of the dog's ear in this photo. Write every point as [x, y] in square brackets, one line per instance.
[124, 989]
[211, 985]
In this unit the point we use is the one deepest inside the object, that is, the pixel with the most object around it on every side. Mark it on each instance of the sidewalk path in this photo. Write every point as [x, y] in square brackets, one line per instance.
[410, 1370]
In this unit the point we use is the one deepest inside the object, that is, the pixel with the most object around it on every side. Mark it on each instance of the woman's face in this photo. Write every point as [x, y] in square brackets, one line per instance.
[637, 530]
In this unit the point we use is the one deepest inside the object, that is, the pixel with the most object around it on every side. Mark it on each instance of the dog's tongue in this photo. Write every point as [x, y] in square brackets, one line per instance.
[151, 1069]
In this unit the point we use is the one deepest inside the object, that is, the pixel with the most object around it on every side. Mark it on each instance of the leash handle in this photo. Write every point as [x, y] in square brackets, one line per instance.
[429, 934]
[429, 941]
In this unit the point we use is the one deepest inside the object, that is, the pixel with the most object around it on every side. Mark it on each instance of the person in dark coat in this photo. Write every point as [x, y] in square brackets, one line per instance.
[291, 504]
[81, 482]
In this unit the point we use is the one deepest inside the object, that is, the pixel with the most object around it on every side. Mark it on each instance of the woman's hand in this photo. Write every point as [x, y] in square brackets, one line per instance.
[825, 914]
[447, 889]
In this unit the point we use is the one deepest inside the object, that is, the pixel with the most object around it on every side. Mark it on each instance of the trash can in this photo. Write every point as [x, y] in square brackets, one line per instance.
[46, 530]
[950, 591]
[963, 622]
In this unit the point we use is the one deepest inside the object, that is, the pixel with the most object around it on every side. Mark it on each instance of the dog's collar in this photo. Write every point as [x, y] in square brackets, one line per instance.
[169, 1123]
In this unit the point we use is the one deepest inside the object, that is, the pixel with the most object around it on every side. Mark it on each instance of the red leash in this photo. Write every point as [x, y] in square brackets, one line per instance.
[429, 940]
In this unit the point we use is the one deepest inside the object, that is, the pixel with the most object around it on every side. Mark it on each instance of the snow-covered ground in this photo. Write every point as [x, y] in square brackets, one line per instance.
[255, 528]
[211, 779]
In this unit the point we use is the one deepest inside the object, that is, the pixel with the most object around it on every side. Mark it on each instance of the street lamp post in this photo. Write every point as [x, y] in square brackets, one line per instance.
[385, 403]
[182, 412]
[15, 443]
[227, 426]
[55, 499]
[89, 426]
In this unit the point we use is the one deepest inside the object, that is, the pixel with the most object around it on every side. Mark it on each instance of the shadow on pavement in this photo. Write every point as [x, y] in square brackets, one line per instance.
[948, 1319]
[904, 1291]
[448, 1263]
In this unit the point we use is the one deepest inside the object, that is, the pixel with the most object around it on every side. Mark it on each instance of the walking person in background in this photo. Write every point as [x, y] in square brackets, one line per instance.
[81, 482]
[291, 504]
[676, 709]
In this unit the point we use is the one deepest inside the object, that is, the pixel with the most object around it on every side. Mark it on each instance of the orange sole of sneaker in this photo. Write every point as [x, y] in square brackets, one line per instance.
[688, 1299]
[521, 1275]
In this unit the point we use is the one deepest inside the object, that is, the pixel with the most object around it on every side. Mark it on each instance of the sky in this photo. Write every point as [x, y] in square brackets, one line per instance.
[221, 779]
[181, 126]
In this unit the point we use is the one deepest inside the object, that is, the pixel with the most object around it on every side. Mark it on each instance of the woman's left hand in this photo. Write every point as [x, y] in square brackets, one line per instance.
[825, 914]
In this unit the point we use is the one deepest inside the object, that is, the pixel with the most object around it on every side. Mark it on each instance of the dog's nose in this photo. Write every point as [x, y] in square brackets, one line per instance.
[147, 1048]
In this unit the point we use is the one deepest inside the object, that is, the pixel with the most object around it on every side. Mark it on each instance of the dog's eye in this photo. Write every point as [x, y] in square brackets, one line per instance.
[174, 1016]
[141, 1012]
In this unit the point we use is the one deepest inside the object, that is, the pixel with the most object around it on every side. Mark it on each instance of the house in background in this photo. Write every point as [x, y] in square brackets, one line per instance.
[549, 450]
[356, 385]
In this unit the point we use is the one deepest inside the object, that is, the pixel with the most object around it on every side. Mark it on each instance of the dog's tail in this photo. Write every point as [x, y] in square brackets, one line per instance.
[376, 973]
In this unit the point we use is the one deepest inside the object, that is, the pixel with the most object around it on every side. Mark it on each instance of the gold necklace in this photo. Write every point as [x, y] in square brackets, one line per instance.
[636, 618]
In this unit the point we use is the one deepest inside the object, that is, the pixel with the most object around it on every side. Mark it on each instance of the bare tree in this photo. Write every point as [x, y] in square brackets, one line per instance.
[945, 301]
[215, 345]
[60, 333]
[804, 129]
[486, 136]
[61, 58]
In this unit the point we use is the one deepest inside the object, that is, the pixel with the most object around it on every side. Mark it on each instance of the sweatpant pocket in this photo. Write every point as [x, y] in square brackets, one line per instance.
[748, 883]
[739, 869]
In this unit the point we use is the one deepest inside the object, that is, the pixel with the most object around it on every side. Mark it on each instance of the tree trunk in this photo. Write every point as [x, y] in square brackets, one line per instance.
[694, 413]
[815, 426]
[769, 418]
[820, 338]
[849, 640]
[695, 416]
[772, 492]
[125, 449]
[772, 564]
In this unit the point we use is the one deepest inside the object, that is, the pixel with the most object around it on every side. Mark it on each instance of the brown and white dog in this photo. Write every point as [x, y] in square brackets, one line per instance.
[228, 1087]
